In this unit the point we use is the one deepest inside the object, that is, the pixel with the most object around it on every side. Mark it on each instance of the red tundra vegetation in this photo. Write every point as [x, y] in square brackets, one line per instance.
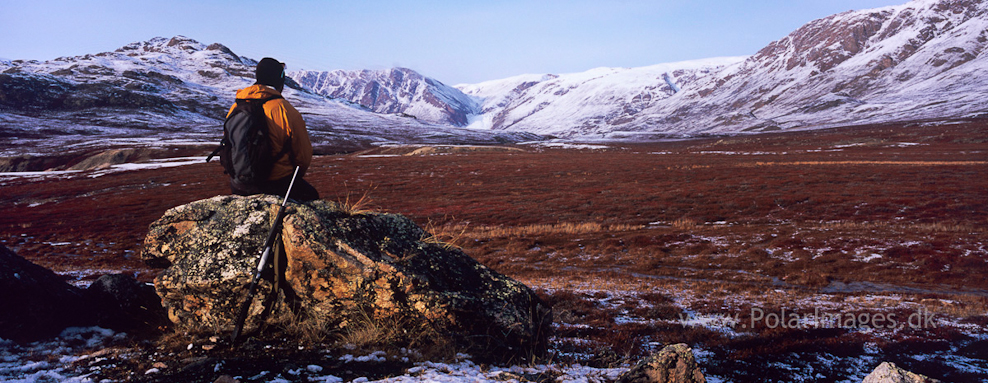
[740, 246]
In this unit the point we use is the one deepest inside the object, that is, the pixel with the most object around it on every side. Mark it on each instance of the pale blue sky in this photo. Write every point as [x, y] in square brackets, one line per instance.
[457, 41]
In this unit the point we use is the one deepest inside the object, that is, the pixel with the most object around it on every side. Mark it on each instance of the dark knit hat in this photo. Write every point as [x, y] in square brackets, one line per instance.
[270, 72]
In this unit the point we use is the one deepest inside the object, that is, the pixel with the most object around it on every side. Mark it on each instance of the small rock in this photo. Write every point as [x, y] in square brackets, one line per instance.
[673, 364]
[888, 372]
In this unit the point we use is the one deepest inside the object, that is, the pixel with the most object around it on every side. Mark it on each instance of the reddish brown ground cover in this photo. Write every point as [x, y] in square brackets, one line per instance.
[627, 240]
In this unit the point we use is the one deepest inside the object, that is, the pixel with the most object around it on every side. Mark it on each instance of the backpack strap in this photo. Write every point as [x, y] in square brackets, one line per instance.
[286, 147]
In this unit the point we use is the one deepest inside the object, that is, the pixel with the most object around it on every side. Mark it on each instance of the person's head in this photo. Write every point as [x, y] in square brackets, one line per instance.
[270, 72]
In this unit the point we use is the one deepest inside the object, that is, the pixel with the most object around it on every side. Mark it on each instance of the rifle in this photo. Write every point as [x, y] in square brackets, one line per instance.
[268, 244]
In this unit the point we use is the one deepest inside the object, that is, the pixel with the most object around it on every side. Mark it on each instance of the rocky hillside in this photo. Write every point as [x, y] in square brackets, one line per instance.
[151, 85]
[921, 60]
[177, 89]
[395, 91]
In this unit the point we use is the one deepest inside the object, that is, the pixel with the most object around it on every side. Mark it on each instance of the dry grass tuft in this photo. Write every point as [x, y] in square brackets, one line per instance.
[368, 333]
[394, 333]
[685, 223]
[303, 325]
[448, 236]
[487, 232]
[935, 227]
[356, 206]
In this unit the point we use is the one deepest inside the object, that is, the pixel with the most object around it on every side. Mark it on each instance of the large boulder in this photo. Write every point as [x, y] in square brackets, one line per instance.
[888, 372]
[672, 364]
[342, 270]
[36, 303]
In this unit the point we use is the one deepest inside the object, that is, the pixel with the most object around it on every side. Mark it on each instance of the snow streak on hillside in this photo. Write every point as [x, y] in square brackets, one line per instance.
[585, 103]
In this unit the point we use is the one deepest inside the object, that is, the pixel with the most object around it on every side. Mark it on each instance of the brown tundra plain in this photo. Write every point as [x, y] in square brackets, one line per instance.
[800, 256]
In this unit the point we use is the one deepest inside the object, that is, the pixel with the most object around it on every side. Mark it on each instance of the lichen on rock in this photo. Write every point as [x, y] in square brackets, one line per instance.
[209, 255]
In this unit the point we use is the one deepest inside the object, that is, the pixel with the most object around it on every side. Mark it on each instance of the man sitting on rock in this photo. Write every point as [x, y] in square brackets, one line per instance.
[285, 126]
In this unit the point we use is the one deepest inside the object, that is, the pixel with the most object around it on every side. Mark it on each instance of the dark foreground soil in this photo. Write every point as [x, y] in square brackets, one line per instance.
[631, 240]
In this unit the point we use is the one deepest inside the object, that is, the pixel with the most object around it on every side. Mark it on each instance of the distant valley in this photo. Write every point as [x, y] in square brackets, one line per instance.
[919, 62]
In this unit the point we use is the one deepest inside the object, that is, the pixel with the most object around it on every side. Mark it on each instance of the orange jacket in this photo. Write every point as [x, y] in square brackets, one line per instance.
[283, 120]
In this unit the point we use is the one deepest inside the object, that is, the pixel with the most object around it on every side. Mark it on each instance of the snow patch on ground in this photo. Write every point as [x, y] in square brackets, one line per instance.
[52, 360]
[566, 145]
[152, 164]
[56, 360]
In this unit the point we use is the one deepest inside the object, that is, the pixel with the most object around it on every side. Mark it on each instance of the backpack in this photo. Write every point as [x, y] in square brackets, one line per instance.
[245, 151]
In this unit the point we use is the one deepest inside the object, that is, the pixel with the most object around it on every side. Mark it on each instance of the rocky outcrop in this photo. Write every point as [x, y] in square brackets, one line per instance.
[341, 271]
[888, 372]
[395, 91]
[122, 303]
[30, 92]
[673, 364]
[35, 303]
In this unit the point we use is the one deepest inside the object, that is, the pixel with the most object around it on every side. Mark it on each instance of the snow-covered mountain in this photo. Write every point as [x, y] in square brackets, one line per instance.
[584, 103]
[394, 91]
[177, 88]
[924, 60]
[154, 85]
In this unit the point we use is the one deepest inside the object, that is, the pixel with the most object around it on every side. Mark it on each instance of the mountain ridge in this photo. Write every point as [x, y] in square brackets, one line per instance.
[919, 61]
[178, 89]
[393, 91]
[866, 66]
[831, 71]
[910, 62]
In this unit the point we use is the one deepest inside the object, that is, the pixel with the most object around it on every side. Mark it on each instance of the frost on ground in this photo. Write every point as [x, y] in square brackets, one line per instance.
[467, 371]
[66, 174]
[56, 360]
[79, 355]
[83, 354]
